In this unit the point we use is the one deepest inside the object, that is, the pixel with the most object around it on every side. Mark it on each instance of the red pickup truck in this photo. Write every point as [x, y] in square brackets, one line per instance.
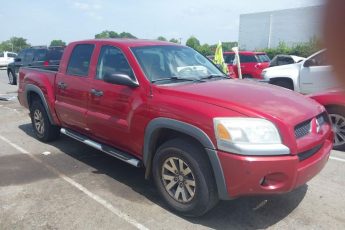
[202, 136]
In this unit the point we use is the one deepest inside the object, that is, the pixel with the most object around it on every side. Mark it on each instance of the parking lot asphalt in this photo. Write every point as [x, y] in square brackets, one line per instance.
[68, 185]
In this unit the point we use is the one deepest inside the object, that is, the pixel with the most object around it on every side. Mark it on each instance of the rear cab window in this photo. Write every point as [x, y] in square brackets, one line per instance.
[80, 59]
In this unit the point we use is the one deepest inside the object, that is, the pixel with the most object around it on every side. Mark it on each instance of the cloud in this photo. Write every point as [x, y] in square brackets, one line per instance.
[92, 9]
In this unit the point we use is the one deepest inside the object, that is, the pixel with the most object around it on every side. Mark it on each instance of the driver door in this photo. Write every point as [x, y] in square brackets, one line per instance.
[316, 74]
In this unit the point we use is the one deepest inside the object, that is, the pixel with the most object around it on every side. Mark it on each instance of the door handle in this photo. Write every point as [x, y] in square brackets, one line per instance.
[62, 85]
[97, 93]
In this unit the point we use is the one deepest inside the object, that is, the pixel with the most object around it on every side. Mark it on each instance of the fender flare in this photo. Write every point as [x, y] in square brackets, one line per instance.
[190, 130]
[33, 88]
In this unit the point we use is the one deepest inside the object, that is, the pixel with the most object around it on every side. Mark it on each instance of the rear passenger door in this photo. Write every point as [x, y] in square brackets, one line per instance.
[72, 88]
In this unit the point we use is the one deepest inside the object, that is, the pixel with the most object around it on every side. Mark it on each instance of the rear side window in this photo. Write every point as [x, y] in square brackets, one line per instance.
[247, 58]
[55, 54]
[229, 58]
[262, 58]
[80, 60]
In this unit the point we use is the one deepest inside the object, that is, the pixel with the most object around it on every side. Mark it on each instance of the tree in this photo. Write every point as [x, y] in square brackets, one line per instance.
[205, 50]
[161, 38]
[15, 44]
[113, 34]
[174, 40]
[193, 42]
[57, 43]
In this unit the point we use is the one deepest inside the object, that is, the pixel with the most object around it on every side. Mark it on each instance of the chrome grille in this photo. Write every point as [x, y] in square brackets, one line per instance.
[302, 129]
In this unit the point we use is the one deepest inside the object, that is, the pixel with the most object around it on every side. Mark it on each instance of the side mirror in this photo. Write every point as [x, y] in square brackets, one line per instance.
[309, 63]
[120, 79]
[17, 59]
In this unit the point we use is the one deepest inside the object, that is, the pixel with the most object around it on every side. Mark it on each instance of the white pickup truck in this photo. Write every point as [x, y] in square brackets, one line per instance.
[314, 74]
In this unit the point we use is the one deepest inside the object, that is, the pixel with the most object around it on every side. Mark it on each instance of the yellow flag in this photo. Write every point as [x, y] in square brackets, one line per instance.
[219, 59]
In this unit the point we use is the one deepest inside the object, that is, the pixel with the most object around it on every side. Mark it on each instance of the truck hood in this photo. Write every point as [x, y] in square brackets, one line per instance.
[282, 71]
[250, 99]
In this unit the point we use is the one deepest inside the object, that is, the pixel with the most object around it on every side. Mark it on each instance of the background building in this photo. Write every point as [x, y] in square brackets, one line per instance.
[268, 29]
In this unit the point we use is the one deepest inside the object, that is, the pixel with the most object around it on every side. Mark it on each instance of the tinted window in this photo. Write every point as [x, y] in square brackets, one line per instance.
[320, 60]
[40, 55]
[11, 55]
[1, 54]
[112, 61]
[229, 58]
[21, 54]
[285, 61]
[55, 54]
[262, 58]
[29, 55]
[247, 58]
[80, 60]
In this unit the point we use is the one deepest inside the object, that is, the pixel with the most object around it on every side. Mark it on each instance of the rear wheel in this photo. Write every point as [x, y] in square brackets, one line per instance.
[43, 129]
[184, 178]
[337, 116]
[12, 77]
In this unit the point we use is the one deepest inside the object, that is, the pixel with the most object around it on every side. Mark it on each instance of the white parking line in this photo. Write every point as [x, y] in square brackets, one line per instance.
[337, 159]
[81, 188]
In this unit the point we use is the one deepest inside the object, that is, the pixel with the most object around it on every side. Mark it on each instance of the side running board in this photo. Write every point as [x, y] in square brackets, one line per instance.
[104, 148]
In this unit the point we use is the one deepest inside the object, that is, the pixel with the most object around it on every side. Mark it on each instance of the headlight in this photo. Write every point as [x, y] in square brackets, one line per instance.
[263, 73]
[248, 136]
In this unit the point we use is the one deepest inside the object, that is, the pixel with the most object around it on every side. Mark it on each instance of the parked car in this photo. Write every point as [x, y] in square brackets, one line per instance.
[334, 102]
[312, 75]
[33, 57]
[201, 135]
[282, 59]
[6, 58]
[252, 63]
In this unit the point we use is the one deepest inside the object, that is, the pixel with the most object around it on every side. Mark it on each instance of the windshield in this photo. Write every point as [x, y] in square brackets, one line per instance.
[167, 62]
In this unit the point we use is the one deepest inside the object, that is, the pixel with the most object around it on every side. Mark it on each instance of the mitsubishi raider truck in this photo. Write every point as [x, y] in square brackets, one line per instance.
[200, 135]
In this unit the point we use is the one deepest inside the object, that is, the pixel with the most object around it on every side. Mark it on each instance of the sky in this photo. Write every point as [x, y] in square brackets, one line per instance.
[40, 21]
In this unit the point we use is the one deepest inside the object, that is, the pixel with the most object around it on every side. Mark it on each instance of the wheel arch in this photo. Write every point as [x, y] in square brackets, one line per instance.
[161, 129]
[286, 79]
[32, 92]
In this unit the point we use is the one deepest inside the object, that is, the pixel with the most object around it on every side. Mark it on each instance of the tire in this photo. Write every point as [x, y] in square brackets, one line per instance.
[284, 84]
[195, 190]
[43, 129]
[247, 76]
[12, 78]
[337, 117]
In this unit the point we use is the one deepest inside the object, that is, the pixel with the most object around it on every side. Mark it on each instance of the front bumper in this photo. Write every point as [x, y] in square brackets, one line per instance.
[248, 175]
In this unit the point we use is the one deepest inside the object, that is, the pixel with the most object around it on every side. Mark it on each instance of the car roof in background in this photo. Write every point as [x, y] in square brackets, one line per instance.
[245, 53]
[128, 42]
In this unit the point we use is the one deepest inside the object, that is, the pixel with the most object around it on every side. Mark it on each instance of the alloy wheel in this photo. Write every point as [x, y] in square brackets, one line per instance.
[338, 124]
[178, 180]
[39, 121]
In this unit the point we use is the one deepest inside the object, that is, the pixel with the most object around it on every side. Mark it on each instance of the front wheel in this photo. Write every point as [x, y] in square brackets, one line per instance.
[184, 178]
[337, 117]
[43, 129]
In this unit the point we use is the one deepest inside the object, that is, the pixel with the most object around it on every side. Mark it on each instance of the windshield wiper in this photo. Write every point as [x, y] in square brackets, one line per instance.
[213, 76]
[172, 79]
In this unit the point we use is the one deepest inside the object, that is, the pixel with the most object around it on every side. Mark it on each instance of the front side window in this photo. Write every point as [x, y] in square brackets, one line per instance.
[29, 55]
[2, 54]
[112, 61]
[80, 59]
[21, 54]
[11, 55]
[319, 59]
[40, 55]
[178, 62]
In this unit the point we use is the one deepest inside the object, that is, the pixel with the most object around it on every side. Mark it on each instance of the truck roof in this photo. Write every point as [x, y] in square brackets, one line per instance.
[127, 42]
